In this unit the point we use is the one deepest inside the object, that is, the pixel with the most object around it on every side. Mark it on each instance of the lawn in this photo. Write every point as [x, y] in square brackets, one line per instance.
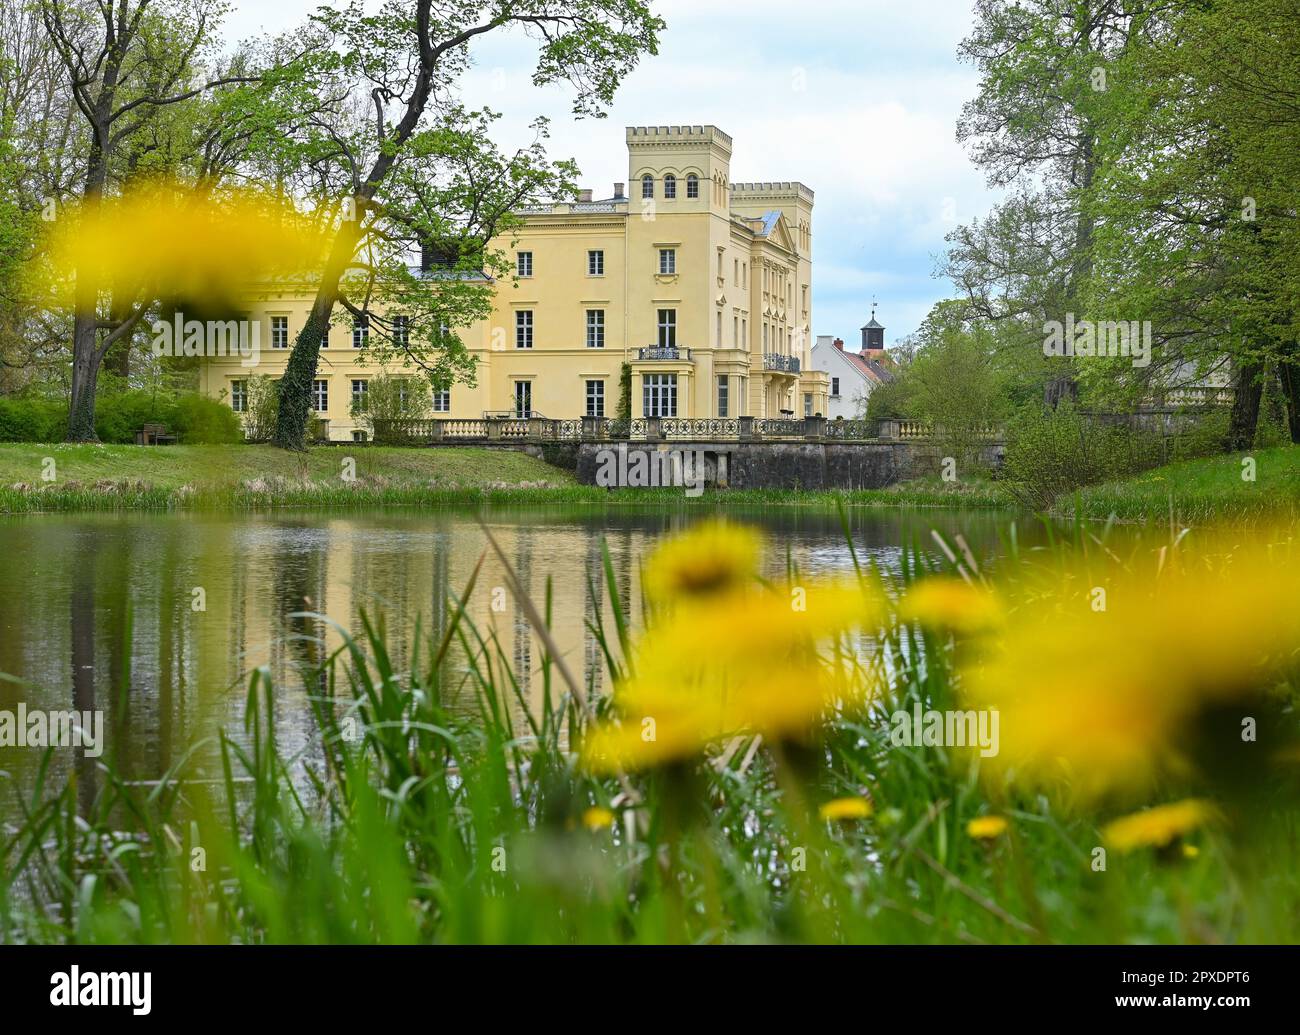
[1199, 490]
[169, 467]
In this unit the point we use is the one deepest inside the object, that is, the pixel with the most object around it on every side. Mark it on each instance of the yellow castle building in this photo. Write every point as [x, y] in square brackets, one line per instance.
[703, 287]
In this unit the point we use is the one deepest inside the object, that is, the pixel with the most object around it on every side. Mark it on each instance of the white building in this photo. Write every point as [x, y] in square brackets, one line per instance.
[854, 375]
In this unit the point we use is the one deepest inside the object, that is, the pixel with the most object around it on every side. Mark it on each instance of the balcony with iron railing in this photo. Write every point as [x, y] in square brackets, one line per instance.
[778, 362]
[671, 353]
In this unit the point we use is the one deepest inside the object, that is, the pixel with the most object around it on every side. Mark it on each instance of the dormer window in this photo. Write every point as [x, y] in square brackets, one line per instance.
[692, 186]
[647, 186]
[670, 186]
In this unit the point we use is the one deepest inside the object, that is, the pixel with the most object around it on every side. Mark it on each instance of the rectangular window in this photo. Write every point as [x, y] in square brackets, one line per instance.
[807, 404]
[692, 186]
[359, 389]
[667, 328]
[667, 261]
[659, 395]
[239, 396]
[279, 332]
[320, 396]
[835, 387]
[524, 264]
[670, 186]
[360, 333]
[647, 187]
[442, 401]
[595, 264]
[401, 331]
[595, 398]
[595, 328]
[723, 389]
[325, 339]
[523, 398]
[524, 329]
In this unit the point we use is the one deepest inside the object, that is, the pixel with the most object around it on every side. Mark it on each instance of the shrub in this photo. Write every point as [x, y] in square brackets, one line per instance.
[32, 420]
[119, 417]
[391, 397]
[1051, 454]
[263, 408]
[198, 420]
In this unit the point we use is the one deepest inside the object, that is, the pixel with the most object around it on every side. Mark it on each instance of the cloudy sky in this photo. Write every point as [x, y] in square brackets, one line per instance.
[859, 99]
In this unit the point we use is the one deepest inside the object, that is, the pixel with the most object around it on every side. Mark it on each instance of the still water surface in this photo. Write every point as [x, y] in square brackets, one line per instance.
[157, 619]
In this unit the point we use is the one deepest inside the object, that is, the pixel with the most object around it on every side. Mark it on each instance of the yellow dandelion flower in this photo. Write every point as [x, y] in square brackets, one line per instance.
[951, 604]
[597, 818]
[844, 809]
[1093, 702]
[712, 557]
[1157, 827]
[986, 828]
[1190, 851]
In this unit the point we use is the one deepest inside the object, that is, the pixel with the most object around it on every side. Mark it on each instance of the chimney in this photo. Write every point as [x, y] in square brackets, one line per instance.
[584, 196]
[839, 344]
[618, 192]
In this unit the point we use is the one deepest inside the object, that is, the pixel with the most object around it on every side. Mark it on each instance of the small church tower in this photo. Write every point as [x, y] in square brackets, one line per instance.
[873, 334]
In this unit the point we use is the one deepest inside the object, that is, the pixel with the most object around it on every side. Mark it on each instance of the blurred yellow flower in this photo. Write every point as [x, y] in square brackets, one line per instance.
[1097, 693]
[1157, 827]
[986, 828]
[710, 558]
[951, 604]
[597, 818]
[841, 809]
[753, 659]
[165, 241]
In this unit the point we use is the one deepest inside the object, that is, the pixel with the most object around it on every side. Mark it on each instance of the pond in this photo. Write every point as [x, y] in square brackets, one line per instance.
[157, 620]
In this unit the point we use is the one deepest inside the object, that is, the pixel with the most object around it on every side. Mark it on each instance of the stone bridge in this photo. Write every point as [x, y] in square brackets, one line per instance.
[737, 452]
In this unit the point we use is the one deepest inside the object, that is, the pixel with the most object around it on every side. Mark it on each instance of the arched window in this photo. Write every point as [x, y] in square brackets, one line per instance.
[692, 185]
[670, 186]
[647, 186]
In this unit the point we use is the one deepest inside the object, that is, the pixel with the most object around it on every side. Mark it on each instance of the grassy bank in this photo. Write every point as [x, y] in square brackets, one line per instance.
[1195, 491]
[232, 477]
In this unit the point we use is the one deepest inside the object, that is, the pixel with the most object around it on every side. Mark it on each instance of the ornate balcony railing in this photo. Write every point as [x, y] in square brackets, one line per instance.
[776, 361]
[663, 352]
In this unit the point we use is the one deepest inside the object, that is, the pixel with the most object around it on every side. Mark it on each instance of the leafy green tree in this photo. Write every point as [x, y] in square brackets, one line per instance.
[410, 167]
[952, 381]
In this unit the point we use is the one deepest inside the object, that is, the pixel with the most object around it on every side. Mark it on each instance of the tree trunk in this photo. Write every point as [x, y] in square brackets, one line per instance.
[1245, 409]
[1290, 377]
[85, 372]
[300, 372]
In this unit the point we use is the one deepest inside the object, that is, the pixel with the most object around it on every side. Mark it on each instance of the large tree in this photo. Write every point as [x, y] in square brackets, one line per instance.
[125, 61]
[425, 172]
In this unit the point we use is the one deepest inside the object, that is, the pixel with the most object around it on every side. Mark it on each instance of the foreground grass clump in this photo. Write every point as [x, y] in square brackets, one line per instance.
[754, 775]
[1195, 491]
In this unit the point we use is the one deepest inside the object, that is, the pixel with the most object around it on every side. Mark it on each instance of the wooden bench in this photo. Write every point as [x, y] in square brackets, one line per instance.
[154, 435]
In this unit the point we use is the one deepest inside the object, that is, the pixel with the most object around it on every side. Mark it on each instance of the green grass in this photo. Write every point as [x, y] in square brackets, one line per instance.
[230, 477]
[1200, 490]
